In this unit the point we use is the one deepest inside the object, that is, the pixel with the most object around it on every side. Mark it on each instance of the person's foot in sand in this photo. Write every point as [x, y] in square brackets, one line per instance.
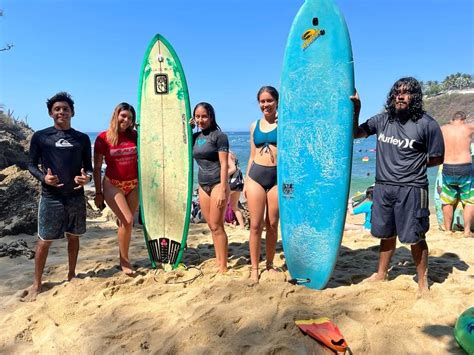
[270, 268]
[222, 269]
[254, 276]
[127, 267]
[423, 286]
[71, 275]
[377, 277]
[30, 294]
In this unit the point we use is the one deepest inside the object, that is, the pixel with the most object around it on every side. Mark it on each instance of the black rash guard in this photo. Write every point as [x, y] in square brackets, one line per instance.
[206, 147]
[404, 148]
[65, 153]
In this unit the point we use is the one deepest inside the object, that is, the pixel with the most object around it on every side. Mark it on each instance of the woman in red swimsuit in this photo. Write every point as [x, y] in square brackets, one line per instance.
[118, 145]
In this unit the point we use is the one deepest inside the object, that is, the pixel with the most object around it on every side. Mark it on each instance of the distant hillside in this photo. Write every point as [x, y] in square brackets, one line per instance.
[442, 107]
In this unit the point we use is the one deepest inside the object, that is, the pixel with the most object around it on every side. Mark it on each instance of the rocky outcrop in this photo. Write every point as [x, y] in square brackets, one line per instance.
[19, 193]
[14, 143]
[19, 190]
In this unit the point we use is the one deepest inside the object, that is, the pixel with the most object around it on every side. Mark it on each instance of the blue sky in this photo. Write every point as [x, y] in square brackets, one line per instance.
[229, 48]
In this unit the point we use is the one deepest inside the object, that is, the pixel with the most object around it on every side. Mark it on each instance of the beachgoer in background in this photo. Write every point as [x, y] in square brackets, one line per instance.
[408, 141]
[119, 188]
[458, 174]
[211, 149]
[364, 207]
[260, 187]
[236, 184]
[65, 158]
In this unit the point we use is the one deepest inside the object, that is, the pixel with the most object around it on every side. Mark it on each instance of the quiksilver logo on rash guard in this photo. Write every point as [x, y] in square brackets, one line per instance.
[62, 143]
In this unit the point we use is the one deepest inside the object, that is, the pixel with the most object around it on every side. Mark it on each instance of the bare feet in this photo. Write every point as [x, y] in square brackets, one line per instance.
[423, 285]
[127, 268]
[271, 268]
[254, 275]
[30, 294]
[223, 270]
[423, 289]
[376, 278]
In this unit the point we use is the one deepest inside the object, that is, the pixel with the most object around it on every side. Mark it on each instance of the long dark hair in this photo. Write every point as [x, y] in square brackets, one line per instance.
[271, 90]
[413, 87]
[212, 115]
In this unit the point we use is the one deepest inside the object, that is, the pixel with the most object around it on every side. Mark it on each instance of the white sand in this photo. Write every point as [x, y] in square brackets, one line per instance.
[104, 311]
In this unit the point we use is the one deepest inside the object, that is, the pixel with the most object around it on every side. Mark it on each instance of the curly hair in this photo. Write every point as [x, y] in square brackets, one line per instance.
[413, 87]
[60, 97]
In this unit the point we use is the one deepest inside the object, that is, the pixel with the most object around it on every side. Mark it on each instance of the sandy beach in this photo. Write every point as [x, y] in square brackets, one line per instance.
[195, 311]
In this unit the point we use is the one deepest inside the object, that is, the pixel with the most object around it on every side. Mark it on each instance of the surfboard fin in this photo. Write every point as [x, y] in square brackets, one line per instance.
[325, 332]
[299, 281]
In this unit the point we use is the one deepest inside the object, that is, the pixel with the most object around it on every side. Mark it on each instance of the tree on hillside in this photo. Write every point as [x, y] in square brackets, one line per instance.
[458, 81]
[8, 46]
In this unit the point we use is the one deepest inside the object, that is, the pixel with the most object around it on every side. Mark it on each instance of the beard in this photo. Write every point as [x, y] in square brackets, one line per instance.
[403, 113]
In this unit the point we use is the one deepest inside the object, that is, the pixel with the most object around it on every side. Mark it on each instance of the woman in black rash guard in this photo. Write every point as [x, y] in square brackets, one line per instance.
[211, 149]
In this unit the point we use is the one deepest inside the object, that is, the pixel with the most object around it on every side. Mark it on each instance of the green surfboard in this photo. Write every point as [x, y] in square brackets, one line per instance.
[165, 154]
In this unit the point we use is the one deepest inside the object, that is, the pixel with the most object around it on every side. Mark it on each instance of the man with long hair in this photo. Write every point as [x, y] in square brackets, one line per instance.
[408, 141]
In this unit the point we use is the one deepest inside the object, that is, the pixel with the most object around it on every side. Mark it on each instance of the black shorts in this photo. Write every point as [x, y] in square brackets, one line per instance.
[265, 176]
[402, 211]
[58, 215]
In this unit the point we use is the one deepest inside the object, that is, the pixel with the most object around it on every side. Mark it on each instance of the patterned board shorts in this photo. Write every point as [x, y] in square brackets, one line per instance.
[457, 184]
[58, 215]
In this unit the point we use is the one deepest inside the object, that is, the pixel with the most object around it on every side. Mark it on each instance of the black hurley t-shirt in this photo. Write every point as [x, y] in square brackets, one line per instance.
[403, 148]
[65, 153]
[206, 148]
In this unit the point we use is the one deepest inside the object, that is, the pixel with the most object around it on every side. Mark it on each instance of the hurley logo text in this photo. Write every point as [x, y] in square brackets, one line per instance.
[400, 143]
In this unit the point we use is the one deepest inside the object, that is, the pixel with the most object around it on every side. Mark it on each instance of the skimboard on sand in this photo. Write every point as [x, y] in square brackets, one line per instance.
[165, 156]
[315, 141]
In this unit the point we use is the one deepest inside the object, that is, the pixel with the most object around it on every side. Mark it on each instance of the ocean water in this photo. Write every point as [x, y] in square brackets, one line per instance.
[363, 160]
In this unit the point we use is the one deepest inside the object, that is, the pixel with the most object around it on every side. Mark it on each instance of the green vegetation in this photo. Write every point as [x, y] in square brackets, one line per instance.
[8, 121]
[458, 81]
[442, 99]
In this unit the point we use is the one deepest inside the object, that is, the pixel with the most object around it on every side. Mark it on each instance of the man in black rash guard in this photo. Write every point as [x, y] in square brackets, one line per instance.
[408, 141]
[65, 158]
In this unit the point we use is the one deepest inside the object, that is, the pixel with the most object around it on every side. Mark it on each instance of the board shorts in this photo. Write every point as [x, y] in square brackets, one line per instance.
[402, 211]
[126, 186]
[58, 215]
[457, 184]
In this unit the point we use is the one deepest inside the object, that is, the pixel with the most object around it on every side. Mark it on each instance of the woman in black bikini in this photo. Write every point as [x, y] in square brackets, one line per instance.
[260, 187]
[211, 149]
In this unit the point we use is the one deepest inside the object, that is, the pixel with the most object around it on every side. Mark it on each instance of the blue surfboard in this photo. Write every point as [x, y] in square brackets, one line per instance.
[315, 141]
